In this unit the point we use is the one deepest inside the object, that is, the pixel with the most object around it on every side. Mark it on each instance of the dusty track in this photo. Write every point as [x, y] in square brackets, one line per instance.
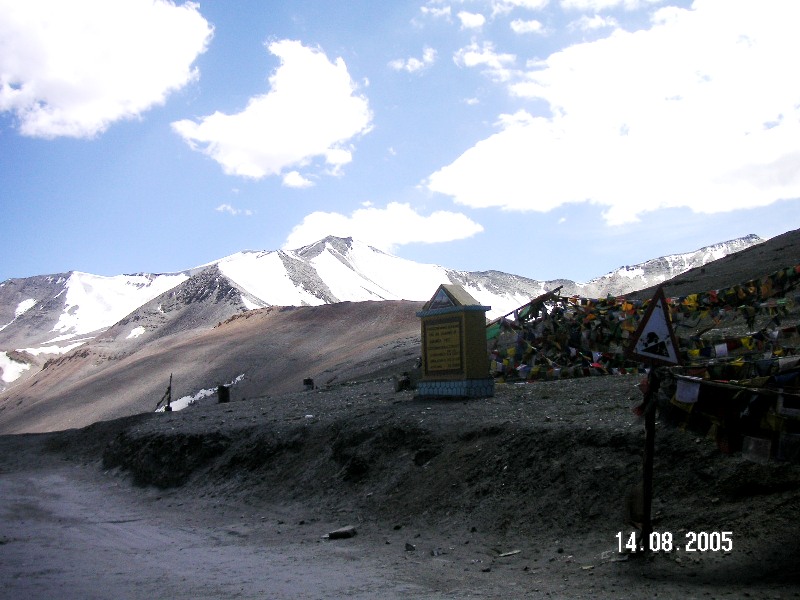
[541, 468]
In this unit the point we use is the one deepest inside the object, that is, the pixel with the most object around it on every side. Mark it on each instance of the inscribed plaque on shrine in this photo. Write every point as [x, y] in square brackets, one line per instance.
[443, 349]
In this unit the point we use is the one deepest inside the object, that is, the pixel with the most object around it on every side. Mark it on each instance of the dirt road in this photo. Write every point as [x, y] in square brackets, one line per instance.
[66, 536]
[509, 497]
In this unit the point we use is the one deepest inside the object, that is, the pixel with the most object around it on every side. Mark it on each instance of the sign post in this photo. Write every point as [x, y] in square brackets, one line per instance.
[654, 341]
[655, 344]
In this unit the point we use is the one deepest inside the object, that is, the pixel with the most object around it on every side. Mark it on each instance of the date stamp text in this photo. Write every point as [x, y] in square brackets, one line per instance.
[665, 541]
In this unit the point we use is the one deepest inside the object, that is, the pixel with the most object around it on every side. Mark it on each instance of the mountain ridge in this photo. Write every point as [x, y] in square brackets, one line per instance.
[47, 315]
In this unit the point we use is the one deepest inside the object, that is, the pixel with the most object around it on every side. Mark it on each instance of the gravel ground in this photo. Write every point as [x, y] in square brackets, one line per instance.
[519, 495]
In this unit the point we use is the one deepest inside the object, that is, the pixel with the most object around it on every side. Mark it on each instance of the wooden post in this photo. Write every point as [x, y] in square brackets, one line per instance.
[168, 407]
[167, 396]
[651, 403]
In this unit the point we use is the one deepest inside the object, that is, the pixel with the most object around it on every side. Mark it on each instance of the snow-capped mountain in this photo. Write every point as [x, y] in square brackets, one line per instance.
[50, 310]
[337, 269]
[43, 316]
[48, 315]
[658, 270]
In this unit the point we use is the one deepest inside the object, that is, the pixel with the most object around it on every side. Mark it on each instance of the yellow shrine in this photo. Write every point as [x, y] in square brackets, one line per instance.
[454, 360]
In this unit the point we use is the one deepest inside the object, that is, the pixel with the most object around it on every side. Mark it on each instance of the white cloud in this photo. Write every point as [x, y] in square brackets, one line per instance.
[311, 110]
[531, 26]
[701, 111]
[500, 7]
[471, 20]
[496, 64]
[412, 65]
[436, 13]
[594, 22]
[233, 211]
[384, 228]
[294, 179]
[600, 5]
[74, 68]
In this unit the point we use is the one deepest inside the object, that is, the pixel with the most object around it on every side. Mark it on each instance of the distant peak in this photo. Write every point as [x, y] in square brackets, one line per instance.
[749, 239]
[340, 244]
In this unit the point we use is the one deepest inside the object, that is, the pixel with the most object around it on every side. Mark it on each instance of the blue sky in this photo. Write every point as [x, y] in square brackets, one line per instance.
[559, 138]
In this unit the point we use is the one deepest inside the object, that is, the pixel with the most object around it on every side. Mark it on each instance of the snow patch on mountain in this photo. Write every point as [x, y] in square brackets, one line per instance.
[332, 270]
[55, 349]
[191, 400]
[93, 302]
[11, 370]
[355, 271]
[136, 332]
[263, 275]
[24, 306]
[21, 309]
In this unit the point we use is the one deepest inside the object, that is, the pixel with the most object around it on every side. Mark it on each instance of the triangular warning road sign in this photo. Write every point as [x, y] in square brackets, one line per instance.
[654, 340]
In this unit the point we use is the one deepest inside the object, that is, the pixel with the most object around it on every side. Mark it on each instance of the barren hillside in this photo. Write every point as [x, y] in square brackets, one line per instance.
[273, 348]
